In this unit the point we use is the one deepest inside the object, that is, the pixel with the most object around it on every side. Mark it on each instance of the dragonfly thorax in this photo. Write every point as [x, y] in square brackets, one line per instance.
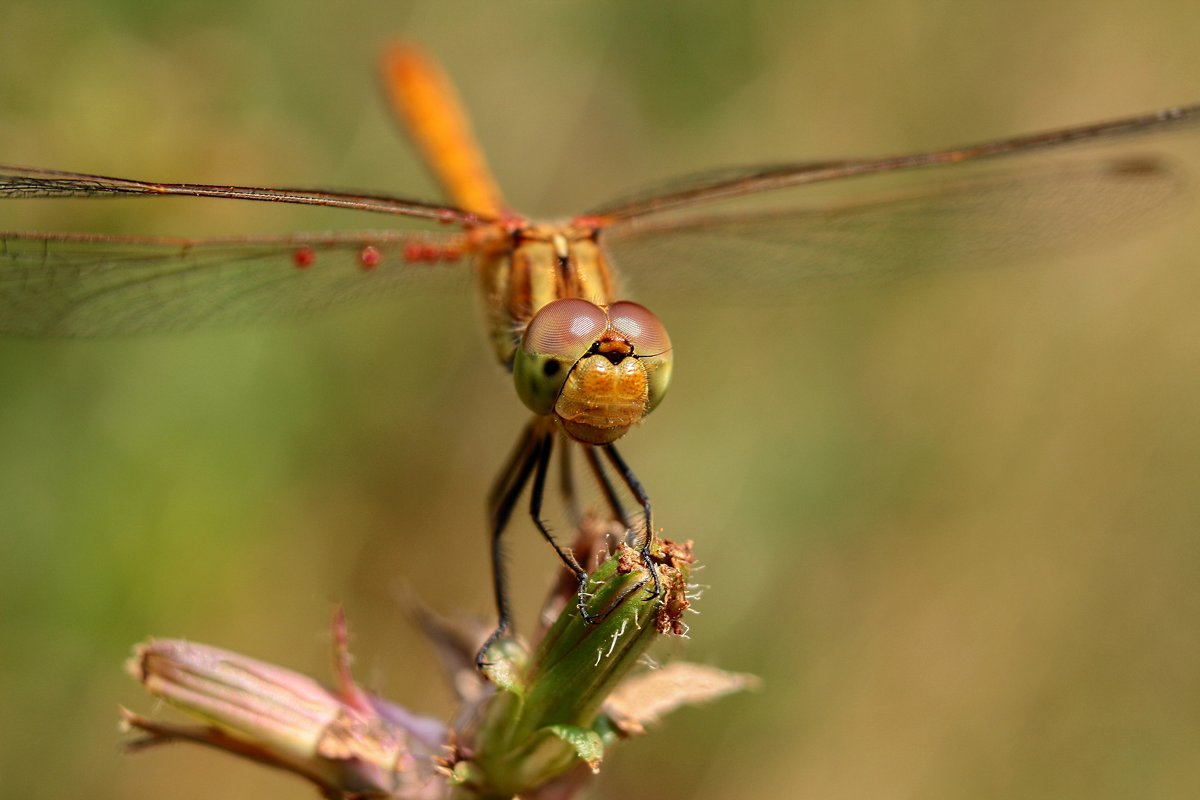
[523, 268]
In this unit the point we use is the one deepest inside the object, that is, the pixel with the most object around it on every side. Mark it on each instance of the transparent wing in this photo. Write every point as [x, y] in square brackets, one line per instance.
[898, 224]
[27, 182]
[95, 285]
[718, 185]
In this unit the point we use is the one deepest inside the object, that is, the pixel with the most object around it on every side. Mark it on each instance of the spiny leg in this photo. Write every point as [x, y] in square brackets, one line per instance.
[535, 511]
[501, 501]
[635, 487]
[568, 488]
[566, 485]
[620, 514]
[530, 457]
[502, 485]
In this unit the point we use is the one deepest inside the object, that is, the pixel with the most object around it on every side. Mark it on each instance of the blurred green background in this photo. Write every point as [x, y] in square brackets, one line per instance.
[954, 524]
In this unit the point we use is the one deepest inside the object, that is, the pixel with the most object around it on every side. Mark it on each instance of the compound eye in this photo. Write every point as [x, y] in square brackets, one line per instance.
[564, 328]
[559, 334]
[651, 345]
[639, 325]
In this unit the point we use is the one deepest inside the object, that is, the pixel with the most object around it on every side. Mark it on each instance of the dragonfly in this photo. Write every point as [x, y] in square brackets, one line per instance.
[588, 363]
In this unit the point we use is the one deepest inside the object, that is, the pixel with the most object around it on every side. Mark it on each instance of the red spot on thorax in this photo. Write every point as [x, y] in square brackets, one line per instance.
[368, 257]
[304, 257]
[412, 252]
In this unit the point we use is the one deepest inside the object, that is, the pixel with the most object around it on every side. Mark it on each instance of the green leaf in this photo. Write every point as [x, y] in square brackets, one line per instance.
[586, 743]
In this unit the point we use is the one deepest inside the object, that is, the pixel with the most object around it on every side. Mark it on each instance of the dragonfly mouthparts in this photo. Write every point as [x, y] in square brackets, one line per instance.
[614, 348]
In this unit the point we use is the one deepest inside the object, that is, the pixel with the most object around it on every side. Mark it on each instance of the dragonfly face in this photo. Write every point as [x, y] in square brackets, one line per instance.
[598, 371]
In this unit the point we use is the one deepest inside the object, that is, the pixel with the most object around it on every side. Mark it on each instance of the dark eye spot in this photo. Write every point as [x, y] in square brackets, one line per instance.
[551, 368]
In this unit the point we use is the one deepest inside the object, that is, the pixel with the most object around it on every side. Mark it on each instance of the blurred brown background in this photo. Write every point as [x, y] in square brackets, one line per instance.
[954, 524]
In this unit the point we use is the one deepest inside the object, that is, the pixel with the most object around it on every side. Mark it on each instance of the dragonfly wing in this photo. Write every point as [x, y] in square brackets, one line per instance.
[748, 181]
[91, 285]
[898, 224]
[27, 182]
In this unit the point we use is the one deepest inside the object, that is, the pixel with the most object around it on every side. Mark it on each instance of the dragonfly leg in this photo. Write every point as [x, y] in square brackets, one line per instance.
[503, 498]
[566, 483]
[635, 487]
[606, 487]
[502, 487]
[530, 458]
[535, 511]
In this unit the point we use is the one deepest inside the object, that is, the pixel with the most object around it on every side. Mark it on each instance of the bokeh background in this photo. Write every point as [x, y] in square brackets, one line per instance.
[954, 523]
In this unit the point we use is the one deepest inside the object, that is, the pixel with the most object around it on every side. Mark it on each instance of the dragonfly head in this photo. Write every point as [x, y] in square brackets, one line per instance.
[598, 370]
